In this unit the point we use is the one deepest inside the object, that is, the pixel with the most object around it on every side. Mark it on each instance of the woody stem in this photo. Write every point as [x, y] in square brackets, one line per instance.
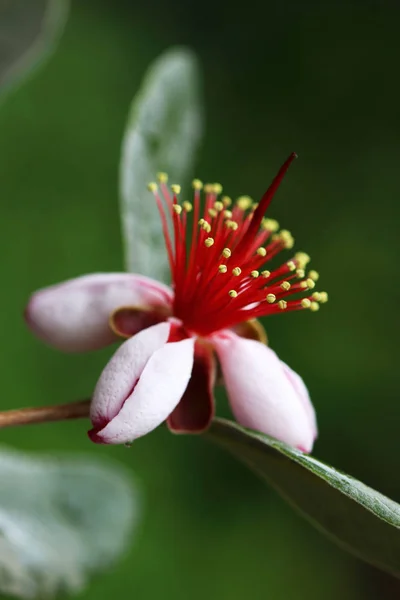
[44, 414]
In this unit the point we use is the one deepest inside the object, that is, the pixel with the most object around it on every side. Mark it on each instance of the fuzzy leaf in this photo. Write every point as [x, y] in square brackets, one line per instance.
[60, 520]
[358, 518]
[29, 32]
[162, 134]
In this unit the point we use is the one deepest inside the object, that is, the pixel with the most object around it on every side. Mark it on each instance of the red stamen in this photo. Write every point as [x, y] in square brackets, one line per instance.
[219, 281]
[266, 201]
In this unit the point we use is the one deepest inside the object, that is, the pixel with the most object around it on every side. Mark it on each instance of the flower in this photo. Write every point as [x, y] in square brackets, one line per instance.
[167, 367]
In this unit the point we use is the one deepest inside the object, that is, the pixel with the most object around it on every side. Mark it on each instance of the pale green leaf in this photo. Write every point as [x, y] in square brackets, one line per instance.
[61, 519]
[29, 31]
[162, 134]
[358, 518]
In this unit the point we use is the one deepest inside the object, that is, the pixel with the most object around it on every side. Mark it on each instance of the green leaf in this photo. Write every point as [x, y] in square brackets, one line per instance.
[358, 518]
[162, 134]
[29, 32]
[60, 520]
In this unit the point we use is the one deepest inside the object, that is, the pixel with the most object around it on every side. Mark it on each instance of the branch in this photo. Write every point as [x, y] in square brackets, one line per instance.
[44, 414]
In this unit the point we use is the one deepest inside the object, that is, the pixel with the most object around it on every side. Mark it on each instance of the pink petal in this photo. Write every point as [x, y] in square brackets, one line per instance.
[196, 409]
[74, 316]
[123, 371]
[304, 396]
[261, 395]
[140, 386]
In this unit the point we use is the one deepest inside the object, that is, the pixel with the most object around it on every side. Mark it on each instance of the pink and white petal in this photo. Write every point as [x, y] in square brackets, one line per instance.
[196, 408]
[123, 371]
[261, 395]
[159, 389]
[304, 396]
[74, 316]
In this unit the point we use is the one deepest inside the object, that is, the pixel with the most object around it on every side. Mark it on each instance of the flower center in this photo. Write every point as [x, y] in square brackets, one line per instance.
[219, 275]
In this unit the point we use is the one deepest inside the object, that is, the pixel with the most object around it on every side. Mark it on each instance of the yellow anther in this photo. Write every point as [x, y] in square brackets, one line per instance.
[236, 271]
[201, 222]
[228, 214]
[222, 268]
[314, 306]
[152, 186]
[209, 242]
[291, 265]
[244, 202]
[285, 285]
[255, 274]
[316, 296]
[323, 297]
[300, 273]
[254, 206]
[266, 274]
[212, 212]
[226, 252]
[217, 188]
[205, 226]
[176, 189]
[270, 225]
[306, 303]
[303, 284]
[218, 206]
[231, 225]
[271, 298]
[162, 177]
[177, 208]
[226, 200]
[197, 184]
[233, 293]
[282, 304]
[310, 283]
[208, 188]
[187, 206]
[302, 259]
[261, 251]
[314, 275]
[287, 238]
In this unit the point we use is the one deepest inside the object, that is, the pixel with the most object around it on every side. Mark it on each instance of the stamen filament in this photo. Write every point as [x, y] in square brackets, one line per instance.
[221, 279]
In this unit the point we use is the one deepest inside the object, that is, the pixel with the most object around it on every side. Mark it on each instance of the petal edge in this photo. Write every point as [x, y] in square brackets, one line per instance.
[73, 316]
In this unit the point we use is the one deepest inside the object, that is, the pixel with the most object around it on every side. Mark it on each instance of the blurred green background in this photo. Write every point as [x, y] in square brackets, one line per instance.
[320, 79]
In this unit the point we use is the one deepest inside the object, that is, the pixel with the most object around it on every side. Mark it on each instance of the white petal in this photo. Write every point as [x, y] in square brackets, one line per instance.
[156, 394]
[123, 371]
[261, 395]
[304, 396]
[74, 316]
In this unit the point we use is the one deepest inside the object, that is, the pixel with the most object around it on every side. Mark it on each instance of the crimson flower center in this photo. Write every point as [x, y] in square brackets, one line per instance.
[218, 251]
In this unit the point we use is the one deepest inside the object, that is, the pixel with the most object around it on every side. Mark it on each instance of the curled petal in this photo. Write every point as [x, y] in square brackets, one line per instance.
[140, 386]
[196, 408]
[303, 395]
[74, 316]
[126, 321]
[261, 394]
[122, 373]
[251, 330]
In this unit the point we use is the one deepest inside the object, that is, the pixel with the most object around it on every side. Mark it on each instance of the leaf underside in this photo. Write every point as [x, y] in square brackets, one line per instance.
[29, 32]
[358, 518]
[61, 519]
[162, 134]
